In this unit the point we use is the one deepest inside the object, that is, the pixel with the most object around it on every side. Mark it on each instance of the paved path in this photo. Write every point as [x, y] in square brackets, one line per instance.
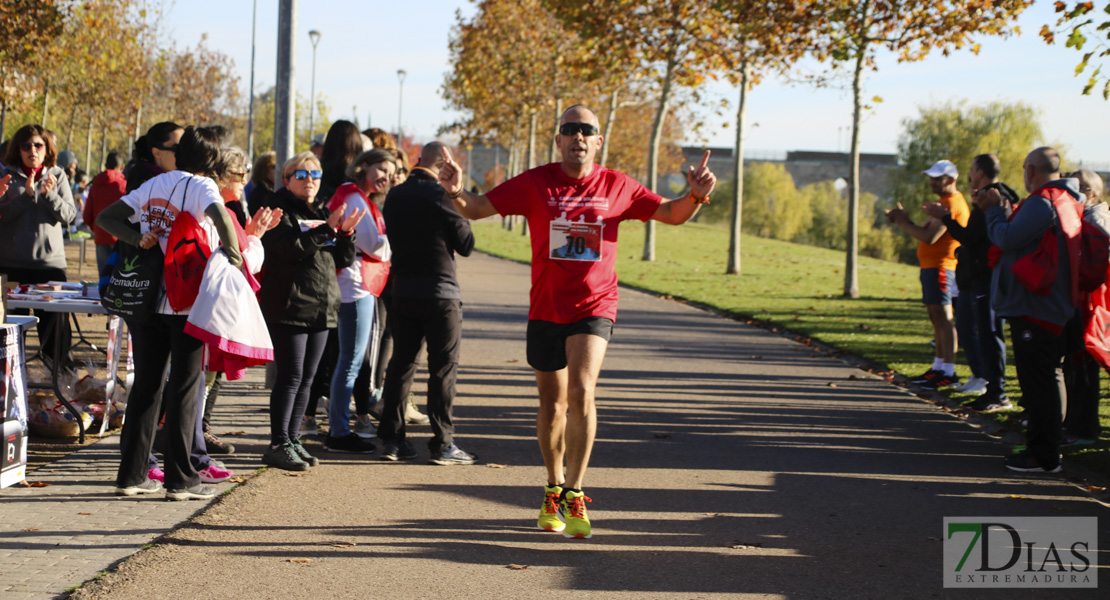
[729, 461]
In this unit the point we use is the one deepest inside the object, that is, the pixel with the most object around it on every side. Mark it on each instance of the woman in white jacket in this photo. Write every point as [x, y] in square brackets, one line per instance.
[359, 286]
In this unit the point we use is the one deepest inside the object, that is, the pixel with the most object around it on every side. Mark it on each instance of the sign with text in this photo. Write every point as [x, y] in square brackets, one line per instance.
[1020, 552]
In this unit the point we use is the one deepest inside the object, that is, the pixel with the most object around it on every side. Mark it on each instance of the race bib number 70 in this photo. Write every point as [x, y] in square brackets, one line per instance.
[575, 241]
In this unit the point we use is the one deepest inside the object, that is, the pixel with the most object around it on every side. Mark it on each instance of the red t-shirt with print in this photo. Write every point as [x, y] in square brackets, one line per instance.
[573, 223]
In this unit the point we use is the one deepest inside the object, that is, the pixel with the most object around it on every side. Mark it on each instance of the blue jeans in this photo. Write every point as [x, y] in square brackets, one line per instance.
[356, 320]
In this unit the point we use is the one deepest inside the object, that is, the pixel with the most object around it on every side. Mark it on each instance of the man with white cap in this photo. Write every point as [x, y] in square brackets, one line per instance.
[936, 253]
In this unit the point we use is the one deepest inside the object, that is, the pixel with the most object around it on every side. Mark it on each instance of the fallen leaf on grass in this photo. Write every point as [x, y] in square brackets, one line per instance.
[497, 466]
[300, 560]
[296, 474]
[663, 436]
[514, 360]
[864, 327]
[84, 513]
[237, 479]
[745, 545]
[233, 433]
[517, 567]
[31, 529]
[26, 483]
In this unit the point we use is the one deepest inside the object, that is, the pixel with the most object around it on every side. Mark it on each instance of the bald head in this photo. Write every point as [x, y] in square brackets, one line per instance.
[431, 155]
[579, 113]
[1041, 166]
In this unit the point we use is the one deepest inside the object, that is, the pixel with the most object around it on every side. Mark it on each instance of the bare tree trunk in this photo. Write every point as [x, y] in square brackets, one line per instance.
[738, 173]
[851, 264]
[3, 118]
[45, 101]
[69, 130]
[554, 151]
[88, 142]
[139, 124]
[608, 126]
[103, 146]
[531, 160]
[653, 152]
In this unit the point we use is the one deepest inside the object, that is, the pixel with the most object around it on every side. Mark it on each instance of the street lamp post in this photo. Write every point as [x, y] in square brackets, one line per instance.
[250, 113]
[400, 95]
[314, 36]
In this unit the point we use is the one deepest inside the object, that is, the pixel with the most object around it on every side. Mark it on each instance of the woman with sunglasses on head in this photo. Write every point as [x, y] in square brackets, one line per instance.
[300, 299]
[154, 154]
[36, 203]
[161, 337]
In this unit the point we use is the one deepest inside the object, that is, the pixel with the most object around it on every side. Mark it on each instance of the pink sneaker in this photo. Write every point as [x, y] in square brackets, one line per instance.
[156, 474]
[214, 474]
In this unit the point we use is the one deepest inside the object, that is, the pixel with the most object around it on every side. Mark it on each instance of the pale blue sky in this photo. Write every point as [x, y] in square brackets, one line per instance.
[363, 45]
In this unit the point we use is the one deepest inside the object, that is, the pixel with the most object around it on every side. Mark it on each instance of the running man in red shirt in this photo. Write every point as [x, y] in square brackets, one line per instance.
[573, 209]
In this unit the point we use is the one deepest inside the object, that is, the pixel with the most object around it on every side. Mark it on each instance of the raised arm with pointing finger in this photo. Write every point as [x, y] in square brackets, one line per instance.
[574, 208]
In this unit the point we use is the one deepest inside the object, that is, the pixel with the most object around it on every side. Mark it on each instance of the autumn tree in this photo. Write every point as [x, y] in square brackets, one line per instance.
[851, 32]
[28, 28]
[1080, 23]
[759, 37]
[664, 39]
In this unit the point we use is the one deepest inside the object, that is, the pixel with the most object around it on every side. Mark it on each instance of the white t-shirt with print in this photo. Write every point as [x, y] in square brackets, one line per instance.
[158, 202]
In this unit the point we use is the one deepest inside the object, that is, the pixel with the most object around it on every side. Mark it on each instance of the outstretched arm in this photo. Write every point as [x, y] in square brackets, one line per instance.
[680, 210]
[471, 206]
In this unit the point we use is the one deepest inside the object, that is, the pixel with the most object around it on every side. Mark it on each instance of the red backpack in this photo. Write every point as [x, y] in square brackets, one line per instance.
[187, 253]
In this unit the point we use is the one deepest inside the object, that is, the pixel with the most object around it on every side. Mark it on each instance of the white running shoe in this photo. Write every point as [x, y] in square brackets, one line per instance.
[973, 385]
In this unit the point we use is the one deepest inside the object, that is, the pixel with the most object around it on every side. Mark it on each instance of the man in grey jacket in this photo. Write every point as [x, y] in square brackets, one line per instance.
[1036, 321]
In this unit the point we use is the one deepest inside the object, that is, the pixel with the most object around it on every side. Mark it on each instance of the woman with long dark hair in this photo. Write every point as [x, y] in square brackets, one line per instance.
[36, 202]
[154, 153]
[161, 337]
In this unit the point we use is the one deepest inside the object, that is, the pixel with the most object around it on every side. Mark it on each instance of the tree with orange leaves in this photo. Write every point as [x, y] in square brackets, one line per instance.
[851, 32]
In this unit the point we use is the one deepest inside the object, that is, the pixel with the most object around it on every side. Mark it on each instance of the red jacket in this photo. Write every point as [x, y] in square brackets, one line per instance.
[106, 188]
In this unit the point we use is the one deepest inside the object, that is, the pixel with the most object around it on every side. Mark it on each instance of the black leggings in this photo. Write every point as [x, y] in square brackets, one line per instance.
[157, 340]
[297, 352]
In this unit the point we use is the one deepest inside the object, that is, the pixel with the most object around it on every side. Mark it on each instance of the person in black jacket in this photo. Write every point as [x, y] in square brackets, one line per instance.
[426, 231]
[300, 300]
[973, 276]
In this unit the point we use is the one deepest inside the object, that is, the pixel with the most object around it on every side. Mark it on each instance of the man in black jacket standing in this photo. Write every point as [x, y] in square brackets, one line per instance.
[973, 274]
[425, 232]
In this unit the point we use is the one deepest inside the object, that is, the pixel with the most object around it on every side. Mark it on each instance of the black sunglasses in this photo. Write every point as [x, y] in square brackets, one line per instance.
[586, 129]
[36, 145]
[300, 174]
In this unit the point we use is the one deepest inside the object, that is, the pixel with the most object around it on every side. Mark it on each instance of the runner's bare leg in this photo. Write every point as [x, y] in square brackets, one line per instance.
[585, 353]
[551, 421]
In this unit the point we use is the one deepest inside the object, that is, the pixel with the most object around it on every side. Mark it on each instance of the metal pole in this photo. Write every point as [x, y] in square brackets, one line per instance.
[250, 112]
[285, 98]
[400, 95]
[314, 37]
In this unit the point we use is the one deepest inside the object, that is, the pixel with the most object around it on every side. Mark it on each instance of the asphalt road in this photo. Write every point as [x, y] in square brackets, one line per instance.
[729, 462]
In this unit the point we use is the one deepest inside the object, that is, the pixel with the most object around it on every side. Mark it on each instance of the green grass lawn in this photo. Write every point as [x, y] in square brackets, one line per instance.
[791, 287]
